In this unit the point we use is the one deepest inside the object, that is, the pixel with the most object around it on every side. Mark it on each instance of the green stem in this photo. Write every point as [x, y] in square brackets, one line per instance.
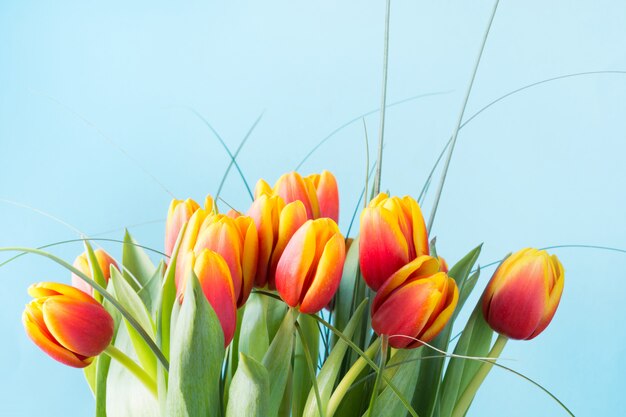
[468, 395]
[350, 377]
[381, 368]
[133, 368]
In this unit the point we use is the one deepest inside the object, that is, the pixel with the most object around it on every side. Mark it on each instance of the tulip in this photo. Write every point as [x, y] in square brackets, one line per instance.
[188, 242]
[67, 324]
[523, 294]
[105, 261]
[393, 233]
[178, 214]
[318, 193]
[309, 270]
[443, 265]
[327, 192]
[236, 240]
[414, 304]
[276, 222]
[214, 277]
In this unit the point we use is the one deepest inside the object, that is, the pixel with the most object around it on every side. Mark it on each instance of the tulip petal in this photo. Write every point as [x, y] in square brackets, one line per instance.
[84, 328]
[328, 195]
[451, 300]
[383, 248]
[292, 187]
[292, 217]
[295, 263]
[327, 276]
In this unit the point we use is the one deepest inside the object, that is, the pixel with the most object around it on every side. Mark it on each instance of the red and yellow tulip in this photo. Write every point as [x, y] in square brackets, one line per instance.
[393, 233]
[236, 240]
[105, 261]
[318, 193]
[67, 324]
[414, 304]
[276, 222]
[214, 277]
[523, 294]
[309, 270]
[178, 214]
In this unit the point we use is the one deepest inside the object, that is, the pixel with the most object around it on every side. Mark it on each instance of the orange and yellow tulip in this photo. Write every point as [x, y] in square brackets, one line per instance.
[318, 193]
[105, 261]
[523, 294]
[178, 214]
[67, 324]
[309, 270]
[214, 277]
[414, 304]
[276, 222]
[393, 233]
[236, 240]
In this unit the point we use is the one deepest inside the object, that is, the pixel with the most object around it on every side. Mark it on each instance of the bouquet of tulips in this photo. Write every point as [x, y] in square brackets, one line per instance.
[272, 312]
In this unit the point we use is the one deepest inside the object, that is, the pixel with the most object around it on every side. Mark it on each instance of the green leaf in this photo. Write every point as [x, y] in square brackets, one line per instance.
[125, 394]
[129, 299]
[90, 376]
[474, 341]
[302, 378]
[138, 268]
[327, 376]
[249, 389]
[96, 272]
[253, 337]
[404, 376]
[277, 361]
[346, 300]
[427, 389]
[197, 351]
[150, 292]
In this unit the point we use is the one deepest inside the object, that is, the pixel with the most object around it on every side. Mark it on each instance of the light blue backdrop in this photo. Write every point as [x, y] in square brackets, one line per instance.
[94, 101]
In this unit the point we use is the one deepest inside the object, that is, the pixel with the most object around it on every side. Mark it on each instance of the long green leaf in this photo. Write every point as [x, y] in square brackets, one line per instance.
[197, 351]
[137, 265]
[307, 346]
[277, 361]
[249, 389]
[253, 336]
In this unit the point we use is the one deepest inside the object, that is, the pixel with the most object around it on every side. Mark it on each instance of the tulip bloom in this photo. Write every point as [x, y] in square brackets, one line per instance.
[82, 264]
[523, 294]
[393, 233]
[214, 277]
[67, 324]
[318, 193]
[178, 214]
[276, 222]
[309, 270]
[415, 302]
[236, 240]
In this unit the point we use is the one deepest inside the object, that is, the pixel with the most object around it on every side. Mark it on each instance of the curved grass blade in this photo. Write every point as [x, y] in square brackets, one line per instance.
[510, 93]
[383, 102]
[226, 148]
[108, 140]
[234, 158]
[311, 366]
[106, 295]
[433, 212]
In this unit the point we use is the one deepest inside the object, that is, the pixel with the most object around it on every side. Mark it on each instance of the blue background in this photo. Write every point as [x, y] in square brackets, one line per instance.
[94, 101]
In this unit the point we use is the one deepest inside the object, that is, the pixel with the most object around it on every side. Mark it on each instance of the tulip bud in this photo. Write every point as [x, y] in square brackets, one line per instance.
[327, 192]
[309, 270]
[178, 214]
[82, 264]
[217, 286]
[67, 324]
[236, 240]
[275, 223]
[414, 304]
[188, 242]
[393, 233]
[523, 294]
[443, 265]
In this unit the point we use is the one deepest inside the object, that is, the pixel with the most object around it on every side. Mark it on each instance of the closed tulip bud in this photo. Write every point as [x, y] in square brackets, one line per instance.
[309, 270]
[236, 240]
[327, 193]
[276, 222]
[178, 214]
[293, 187]
[214, 277]
[67, 324]
[188, 242]
[414, 304]
[523, 294]
[82, 264]
[393, 233]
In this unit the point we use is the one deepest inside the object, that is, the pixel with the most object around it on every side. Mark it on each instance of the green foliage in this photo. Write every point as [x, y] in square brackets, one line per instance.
[249, 389]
